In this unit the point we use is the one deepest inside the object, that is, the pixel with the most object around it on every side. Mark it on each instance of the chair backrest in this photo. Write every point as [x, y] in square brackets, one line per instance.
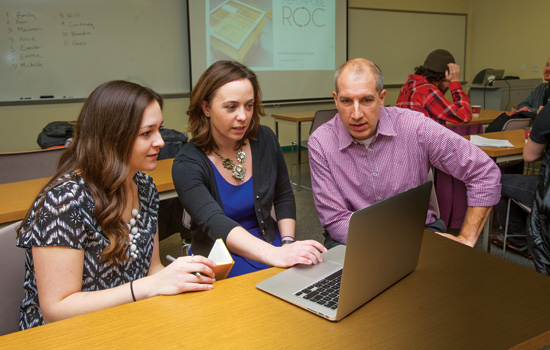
[28, 165]
[433, 195]
[12, 275]
[517, 123]
[321, 117]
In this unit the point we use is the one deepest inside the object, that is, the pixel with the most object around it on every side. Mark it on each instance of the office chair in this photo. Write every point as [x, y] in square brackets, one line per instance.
[433, 194]
[28, 165]
[514, 124]
[515, 166]
[506, 235]
[321, 117]
[519, 123]
[12, 275]
[171, 209]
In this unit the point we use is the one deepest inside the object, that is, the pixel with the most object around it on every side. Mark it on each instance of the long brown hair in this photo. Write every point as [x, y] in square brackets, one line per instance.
[216, 76]
[100, 153]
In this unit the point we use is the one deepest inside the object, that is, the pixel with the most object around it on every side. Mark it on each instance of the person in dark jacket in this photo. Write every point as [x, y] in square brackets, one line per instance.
[539, 97]
[538, 224]
[232, 173]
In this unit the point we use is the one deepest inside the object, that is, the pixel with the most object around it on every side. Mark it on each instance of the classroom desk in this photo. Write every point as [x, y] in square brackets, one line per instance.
[17, 197]
[505, 154]
[486, 116]
[297, 119]
[457, 298]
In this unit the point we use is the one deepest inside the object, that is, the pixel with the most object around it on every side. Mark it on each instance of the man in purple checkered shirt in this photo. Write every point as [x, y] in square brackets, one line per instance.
[369, 152]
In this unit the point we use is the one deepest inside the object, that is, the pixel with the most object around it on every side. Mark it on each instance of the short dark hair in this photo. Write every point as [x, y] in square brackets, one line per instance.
[430, 75]
[216, 76]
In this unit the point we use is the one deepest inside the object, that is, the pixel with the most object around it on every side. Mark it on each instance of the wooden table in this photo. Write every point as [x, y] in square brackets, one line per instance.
[505, 154]
[458, 298]
[17, 197]
[486, 116]
[297, 119]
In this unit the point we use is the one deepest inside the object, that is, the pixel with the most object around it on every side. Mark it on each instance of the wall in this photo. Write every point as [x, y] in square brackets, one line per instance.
[509, 34]
[501, 33]
[447, 6]
[437, 6]
[497, 37]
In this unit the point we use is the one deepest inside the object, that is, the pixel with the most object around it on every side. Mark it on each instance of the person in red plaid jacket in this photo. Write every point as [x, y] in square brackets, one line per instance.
[425, 89]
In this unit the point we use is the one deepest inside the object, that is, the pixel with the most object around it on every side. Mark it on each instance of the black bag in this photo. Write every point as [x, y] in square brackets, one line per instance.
[173, 142]
[498, 123]
[55, 134]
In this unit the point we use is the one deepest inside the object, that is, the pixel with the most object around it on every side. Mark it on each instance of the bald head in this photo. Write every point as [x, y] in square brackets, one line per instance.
[359, 67]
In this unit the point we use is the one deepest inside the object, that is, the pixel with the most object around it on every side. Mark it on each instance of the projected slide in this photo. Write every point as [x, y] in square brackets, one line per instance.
[272, 34]
[294, 46]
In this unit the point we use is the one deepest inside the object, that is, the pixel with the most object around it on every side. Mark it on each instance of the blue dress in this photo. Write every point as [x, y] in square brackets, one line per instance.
[238, 204]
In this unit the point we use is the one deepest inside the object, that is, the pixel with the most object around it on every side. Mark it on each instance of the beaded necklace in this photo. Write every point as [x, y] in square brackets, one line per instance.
[132, 226]
[238, 170]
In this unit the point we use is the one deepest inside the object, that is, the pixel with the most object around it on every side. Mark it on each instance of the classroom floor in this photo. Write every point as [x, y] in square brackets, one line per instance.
[307, 222]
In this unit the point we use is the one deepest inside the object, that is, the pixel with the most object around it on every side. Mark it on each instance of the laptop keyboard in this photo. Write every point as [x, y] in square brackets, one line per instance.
[324, 292]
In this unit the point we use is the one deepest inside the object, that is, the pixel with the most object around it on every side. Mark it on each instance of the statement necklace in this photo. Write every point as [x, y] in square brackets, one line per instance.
[238, 170]
[132, 226]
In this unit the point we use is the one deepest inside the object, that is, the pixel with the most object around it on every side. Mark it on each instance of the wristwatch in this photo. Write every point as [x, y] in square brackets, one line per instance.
[286, 241]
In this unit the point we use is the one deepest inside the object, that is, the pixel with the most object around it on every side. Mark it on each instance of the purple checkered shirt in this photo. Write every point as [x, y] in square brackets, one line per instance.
[347, 176]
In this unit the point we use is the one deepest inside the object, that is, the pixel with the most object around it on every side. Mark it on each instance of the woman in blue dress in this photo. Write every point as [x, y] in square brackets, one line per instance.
[232, 178]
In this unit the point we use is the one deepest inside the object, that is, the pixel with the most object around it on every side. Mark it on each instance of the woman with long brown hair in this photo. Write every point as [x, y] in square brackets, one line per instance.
[91, 236]
[232, 173]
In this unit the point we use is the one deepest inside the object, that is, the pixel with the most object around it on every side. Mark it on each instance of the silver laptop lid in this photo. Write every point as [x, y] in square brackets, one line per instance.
[383, 246]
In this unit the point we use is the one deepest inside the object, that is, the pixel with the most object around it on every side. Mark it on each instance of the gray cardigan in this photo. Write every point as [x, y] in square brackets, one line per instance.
[195, 182]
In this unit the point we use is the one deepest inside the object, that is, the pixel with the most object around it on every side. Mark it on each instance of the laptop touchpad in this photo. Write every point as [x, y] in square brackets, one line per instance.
[317, 270]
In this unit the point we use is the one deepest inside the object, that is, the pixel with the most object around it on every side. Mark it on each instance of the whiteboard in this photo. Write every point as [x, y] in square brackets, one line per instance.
[66, 48]
[399, 41]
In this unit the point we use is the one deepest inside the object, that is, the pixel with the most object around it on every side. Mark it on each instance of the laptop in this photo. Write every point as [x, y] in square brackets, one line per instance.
[383, 246]
[492, 75]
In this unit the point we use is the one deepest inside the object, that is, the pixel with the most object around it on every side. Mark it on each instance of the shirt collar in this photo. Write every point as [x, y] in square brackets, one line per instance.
[385, 125]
